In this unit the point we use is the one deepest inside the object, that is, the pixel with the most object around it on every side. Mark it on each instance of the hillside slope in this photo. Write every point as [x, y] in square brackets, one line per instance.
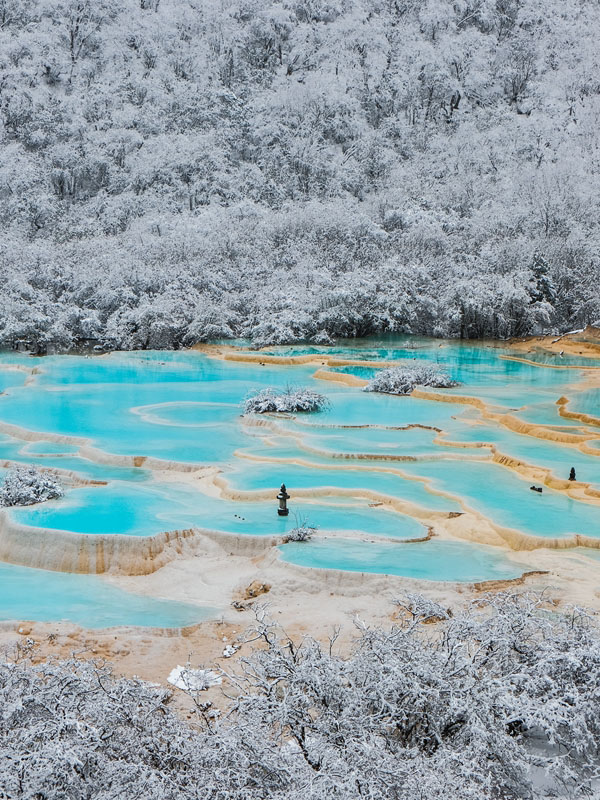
[176, 170]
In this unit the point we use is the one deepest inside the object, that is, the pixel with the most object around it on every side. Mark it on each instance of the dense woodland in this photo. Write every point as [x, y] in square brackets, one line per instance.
[494, 704]
[180, 170]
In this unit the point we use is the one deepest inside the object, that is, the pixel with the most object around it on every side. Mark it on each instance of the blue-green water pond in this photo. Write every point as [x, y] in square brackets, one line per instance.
[88, 600]
[438, 561]
[87, 416]
[144, 510]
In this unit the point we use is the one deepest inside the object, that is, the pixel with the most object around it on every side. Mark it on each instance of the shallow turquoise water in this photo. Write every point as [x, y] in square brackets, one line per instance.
[261, 476]
[102, 400]
[48, 449]
[546, 413]
[587, 402]
[52, 455]
[37, 594]
[143, 510]
[10, 378]
[361, 372]
[555, 359]
[116, 508]
[479, 370]
[186, 407]
[410, 443]
[438, 561]
[355, 407]
[507, 500]
[537, 452]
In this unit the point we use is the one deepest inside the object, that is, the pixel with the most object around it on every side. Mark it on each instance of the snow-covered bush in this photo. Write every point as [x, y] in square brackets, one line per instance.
[322, 338]
[402, 380]
[24, 486]
[289, 400]
[422, 609]
[193, 680]
[498, 702]
[301, 532]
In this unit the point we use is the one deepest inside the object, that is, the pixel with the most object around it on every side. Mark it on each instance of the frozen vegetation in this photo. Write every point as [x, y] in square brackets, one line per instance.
[402, 380]
[303, 531]
[193, 680]
[498, 702]
[177, 170]
[289, 400]
[24, 486]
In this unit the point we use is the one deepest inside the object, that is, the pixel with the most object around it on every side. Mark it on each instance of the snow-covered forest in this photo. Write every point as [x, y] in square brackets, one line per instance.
[499, 704]
[177, 170]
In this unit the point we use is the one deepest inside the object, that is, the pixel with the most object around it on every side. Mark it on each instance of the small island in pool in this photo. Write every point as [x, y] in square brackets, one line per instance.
[288, 401]
[403, 380]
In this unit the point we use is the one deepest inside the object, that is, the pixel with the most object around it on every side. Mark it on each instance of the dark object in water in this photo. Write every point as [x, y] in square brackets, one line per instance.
[283, 497]
[536, 489]
[572, 474]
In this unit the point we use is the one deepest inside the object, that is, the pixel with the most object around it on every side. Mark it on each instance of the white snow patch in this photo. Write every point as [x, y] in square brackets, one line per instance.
[193, 680]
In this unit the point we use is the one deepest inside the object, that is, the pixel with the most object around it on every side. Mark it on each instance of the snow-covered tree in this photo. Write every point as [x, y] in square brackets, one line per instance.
[290, 400]
[24, 486]
[176, 170]
[499, 700]
[402, 380]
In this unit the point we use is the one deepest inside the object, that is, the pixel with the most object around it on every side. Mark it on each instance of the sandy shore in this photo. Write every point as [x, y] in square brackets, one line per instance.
[585, 343]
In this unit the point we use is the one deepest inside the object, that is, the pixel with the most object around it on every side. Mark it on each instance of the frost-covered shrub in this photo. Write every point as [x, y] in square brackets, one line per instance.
[323, 338]
[193, 680]
[422, 609]
[301, 532]
[402, 380]
[24, 486]
[498, 702]
[290, 400]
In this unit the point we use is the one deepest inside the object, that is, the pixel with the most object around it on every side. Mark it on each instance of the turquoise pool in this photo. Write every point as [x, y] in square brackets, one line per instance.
[437, 561]
[184, 408]
[44, 596]
[144, 510]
